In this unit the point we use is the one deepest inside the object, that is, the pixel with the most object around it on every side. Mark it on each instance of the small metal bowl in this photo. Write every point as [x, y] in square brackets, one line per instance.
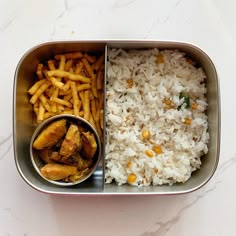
[38, 162]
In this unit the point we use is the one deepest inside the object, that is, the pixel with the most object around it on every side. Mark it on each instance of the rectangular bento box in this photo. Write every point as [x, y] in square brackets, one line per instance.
[24, 126]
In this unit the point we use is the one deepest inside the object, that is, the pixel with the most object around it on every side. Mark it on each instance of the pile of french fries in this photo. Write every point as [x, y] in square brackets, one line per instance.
[71, 83]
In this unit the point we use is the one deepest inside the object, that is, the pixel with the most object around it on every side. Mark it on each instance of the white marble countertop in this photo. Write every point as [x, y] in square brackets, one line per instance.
[209, 24]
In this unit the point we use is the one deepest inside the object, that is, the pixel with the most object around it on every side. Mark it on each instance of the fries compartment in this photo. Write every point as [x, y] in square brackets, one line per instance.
[28, 72]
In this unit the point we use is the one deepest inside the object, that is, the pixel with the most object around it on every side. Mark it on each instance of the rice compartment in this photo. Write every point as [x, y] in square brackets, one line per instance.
[157, 128]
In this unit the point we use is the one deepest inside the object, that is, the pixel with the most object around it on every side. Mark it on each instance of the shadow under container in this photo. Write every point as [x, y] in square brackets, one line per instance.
[24, 126]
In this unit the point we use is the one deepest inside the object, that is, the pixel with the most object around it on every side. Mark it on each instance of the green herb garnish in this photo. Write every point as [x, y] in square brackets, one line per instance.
[185, 101]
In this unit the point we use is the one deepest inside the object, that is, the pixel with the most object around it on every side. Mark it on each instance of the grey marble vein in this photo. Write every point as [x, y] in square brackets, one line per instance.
[225, 165]
[177, 3]
[122, 3]
[153, 24]
[59, 16]
[5, 25]
[5, 153]
[166, 19]
[4, 142]
[164, 226]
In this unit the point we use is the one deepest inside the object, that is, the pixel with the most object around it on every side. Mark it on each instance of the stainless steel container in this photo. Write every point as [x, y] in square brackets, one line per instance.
[23, 125]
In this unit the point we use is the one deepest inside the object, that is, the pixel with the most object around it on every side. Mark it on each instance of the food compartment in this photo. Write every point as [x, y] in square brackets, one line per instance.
[135, 166]
[25, 120]
[45, 62]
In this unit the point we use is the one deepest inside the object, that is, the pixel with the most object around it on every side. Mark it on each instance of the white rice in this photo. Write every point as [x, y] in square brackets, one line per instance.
[141, 107]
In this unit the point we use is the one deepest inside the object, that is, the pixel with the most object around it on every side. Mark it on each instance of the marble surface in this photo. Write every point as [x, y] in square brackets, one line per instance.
[210, 24]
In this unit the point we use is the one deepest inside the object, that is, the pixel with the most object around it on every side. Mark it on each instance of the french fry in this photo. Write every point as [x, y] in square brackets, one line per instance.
[51, 65]
[91, 75]
[91, 59]
[68, 65]
[94, 86]
[88, 67]
[86, 105]
[49, 91]
[36, 107]
[68, 112]
[68, 75]
[56, 83]
[61, 101]
[79, 105]
[102, 67]
[93, 108]
[97, 116]
[48, 114]
[36, 86]
[41, 89]
[73, 55]
[100, 99]
[44, 102]
[45, 72]
[67, 97]
[62, 92]
[98, 128]
[66, 85]
[101, 119]
[60, 108]
[76, 102]
[83, 72]
[39, 71]
[55, 94]
[99, 62]
[71, 70]
[99, 80]
[79, 67]
[71, 100]
[91, 120]
[36, 104]
[81, 113]
[41, 112]
[81, 96]
[82, 87]
[91, 96]
[62, 62]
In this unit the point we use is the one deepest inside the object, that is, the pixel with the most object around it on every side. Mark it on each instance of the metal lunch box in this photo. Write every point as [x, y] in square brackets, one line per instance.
[23, 125]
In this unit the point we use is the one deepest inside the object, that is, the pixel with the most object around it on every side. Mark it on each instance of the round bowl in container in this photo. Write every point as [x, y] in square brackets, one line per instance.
[65, 150]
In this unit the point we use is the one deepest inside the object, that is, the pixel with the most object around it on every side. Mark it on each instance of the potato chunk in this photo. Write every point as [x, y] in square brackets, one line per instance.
[89, 144]
[51, 135]
[46, 155]
[57, 171]
[71, 143]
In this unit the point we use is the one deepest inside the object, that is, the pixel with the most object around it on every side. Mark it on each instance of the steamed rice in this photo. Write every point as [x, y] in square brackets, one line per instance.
[138, 84]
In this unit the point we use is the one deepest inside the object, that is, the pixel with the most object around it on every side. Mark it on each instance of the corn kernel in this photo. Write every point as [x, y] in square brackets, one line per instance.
[160, 59]
[149, 153]
[130, 83]
[187, 121]
[168, 102]
[131, 178]
[129, 164]
[194, 106]
[157, 149]
[146, 134]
